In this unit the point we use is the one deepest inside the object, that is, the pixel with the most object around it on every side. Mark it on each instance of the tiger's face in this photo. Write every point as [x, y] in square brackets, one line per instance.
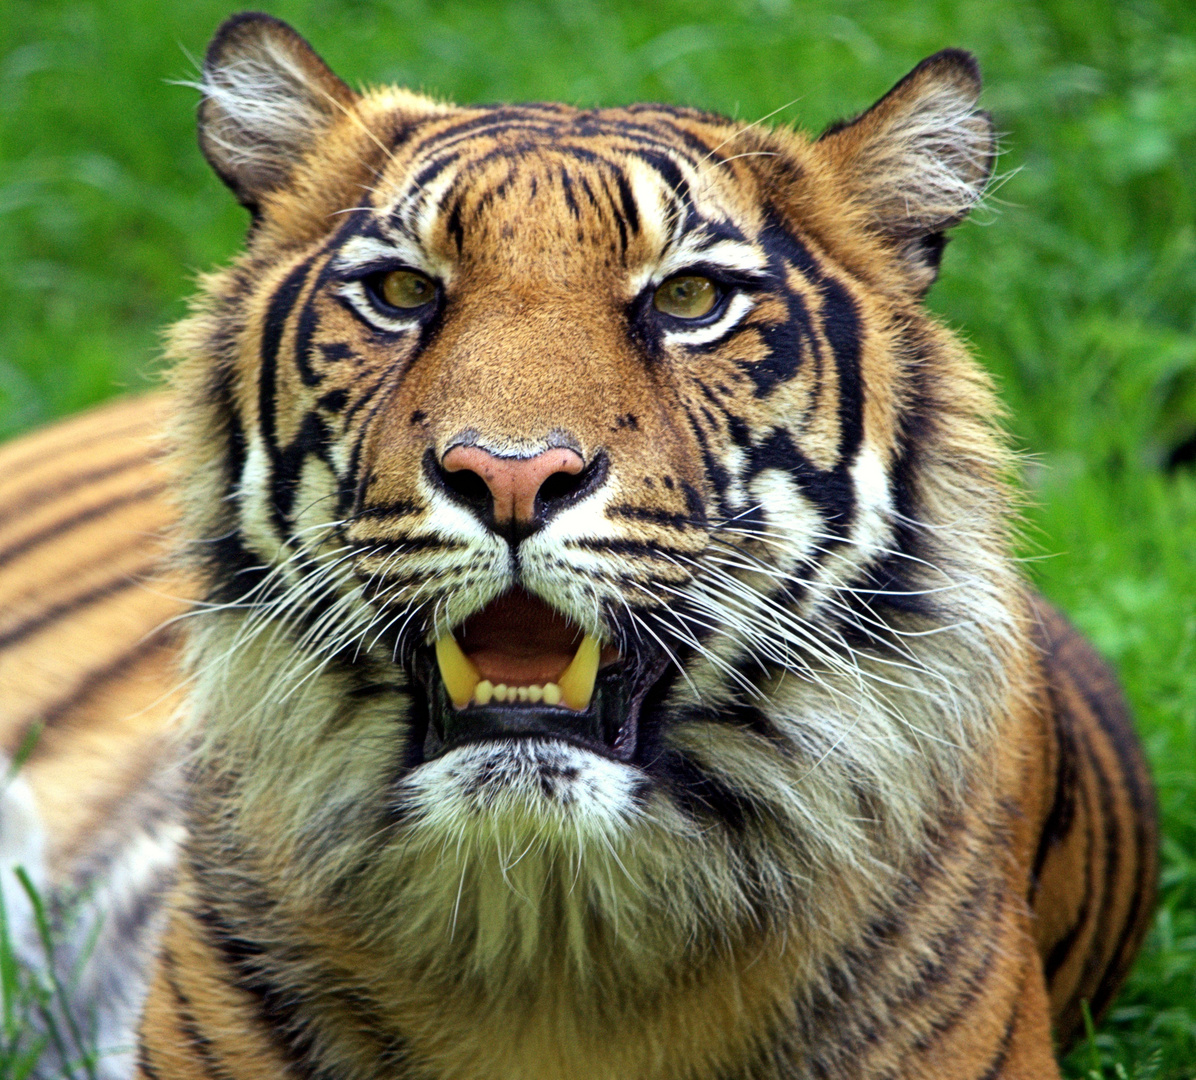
[568, 486]
[567, 371]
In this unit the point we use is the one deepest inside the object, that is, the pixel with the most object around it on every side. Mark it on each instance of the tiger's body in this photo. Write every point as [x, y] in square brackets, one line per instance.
[840, 797]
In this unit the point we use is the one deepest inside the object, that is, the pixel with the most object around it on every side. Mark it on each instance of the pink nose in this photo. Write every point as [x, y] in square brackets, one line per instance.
[514, 483]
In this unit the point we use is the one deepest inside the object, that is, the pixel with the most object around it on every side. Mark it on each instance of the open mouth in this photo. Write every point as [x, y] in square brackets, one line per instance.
[519, 668]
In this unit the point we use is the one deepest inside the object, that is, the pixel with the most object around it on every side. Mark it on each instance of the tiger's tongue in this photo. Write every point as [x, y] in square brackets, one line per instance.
[519, 640]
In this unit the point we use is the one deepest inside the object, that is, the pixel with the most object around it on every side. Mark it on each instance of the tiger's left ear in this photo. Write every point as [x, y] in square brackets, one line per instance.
[919, 159]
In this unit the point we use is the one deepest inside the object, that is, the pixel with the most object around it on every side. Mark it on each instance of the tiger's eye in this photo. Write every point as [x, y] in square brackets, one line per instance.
[406, 289]
[686, 297]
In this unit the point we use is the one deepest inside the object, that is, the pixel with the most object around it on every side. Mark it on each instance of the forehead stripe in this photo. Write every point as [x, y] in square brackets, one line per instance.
[630, 211]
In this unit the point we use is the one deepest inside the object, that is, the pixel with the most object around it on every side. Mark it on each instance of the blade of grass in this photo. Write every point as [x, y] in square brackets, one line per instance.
[59, 993]
[27, 745]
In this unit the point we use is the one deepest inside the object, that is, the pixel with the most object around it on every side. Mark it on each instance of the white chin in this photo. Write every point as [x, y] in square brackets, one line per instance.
[534, 782]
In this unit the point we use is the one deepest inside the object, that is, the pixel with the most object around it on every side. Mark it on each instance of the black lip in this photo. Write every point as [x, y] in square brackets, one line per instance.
[610, 726]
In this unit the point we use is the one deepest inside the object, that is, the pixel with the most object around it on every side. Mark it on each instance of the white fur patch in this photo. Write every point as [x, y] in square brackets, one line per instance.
[550, 785]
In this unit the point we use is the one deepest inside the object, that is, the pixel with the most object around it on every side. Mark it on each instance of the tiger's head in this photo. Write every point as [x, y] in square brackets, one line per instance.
[601, 541]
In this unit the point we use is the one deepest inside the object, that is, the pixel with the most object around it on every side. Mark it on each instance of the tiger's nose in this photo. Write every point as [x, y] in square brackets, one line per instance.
[517, 491]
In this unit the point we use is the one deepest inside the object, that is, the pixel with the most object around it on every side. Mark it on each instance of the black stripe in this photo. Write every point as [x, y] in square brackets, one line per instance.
[743, 716]
[38, 455]
[831, 491]
[311, 441]
[407, 545]
[334, 401]
[820, 1016]
[595, 205]
[1112, 860]
[718, 476]
[25, 502]
[619, 219]
[631, 211]
[649, 549]
[79, 517]
[974, 913]
[917, 430]
[278, 1012]
[278, 310]
[48, 616]
[1104, 697]
[968, 986]
[305, 331]
[285, 1013]
[997, 1062]
[1061, 818]
[454, 227]
[363, 399]
[399, 508]
[662, 163]
[657, 517]
[1145, 811]
[1061, 950]
[49, 716]
[841, 325]
[143, 1062]
[567, 190]
[699, 794]
[201, 1045]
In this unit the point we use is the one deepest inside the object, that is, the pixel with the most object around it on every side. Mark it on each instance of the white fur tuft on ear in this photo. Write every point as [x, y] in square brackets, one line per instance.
[920, 158]
[267, 98]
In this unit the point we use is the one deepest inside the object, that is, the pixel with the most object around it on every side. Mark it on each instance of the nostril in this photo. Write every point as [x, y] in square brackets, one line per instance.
[560, 485]
[468, 486]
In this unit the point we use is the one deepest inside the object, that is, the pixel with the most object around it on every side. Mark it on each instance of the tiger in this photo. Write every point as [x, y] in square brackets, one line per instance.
[562, 619]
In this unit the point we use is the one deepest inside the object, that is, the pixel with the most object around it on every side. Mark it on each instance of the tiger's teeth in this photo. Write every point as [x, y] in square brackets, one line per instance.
[577, 683]
[552, 694]
[483, 692]
[459, 675]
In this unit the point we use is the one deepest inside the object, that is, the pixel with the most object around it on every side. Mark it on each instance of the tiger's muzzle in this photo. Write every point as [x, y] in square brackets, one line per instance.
[520, 669]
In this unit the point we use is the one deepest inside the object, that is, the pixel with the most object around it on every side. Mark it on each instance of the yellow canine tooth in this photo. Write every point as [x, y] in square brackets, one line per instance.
[457, 670]
[577, 683]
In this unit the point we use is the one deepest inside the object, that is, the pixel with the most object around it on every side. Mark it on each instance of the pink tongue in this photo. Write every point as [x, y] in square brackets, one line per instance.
[519, 640]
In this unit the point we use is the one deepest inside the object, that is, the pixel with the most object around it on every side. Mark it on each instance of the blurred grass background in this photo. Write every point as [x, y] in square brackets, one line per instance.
[1078, 292]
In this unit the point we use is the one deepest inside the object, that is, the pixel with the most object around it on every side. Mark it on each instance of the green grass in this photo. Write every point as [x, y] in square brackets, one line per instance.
[37, 1022]
[1078, 292]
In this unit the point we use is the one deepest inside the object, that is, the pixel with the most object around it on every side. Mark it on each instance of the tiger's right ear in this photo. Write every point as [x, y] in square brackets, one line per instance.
[267, 99]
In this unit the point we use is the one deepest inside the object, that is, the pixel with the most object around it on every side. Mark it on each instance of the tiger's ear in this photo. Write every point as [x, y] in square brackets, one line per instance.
[267, 99]
[919, 159]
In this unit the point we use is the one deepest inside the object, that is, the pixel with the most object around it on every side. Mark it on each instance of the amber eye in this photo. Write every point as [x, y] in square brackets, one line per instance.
[406, 288]
[686, 296]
